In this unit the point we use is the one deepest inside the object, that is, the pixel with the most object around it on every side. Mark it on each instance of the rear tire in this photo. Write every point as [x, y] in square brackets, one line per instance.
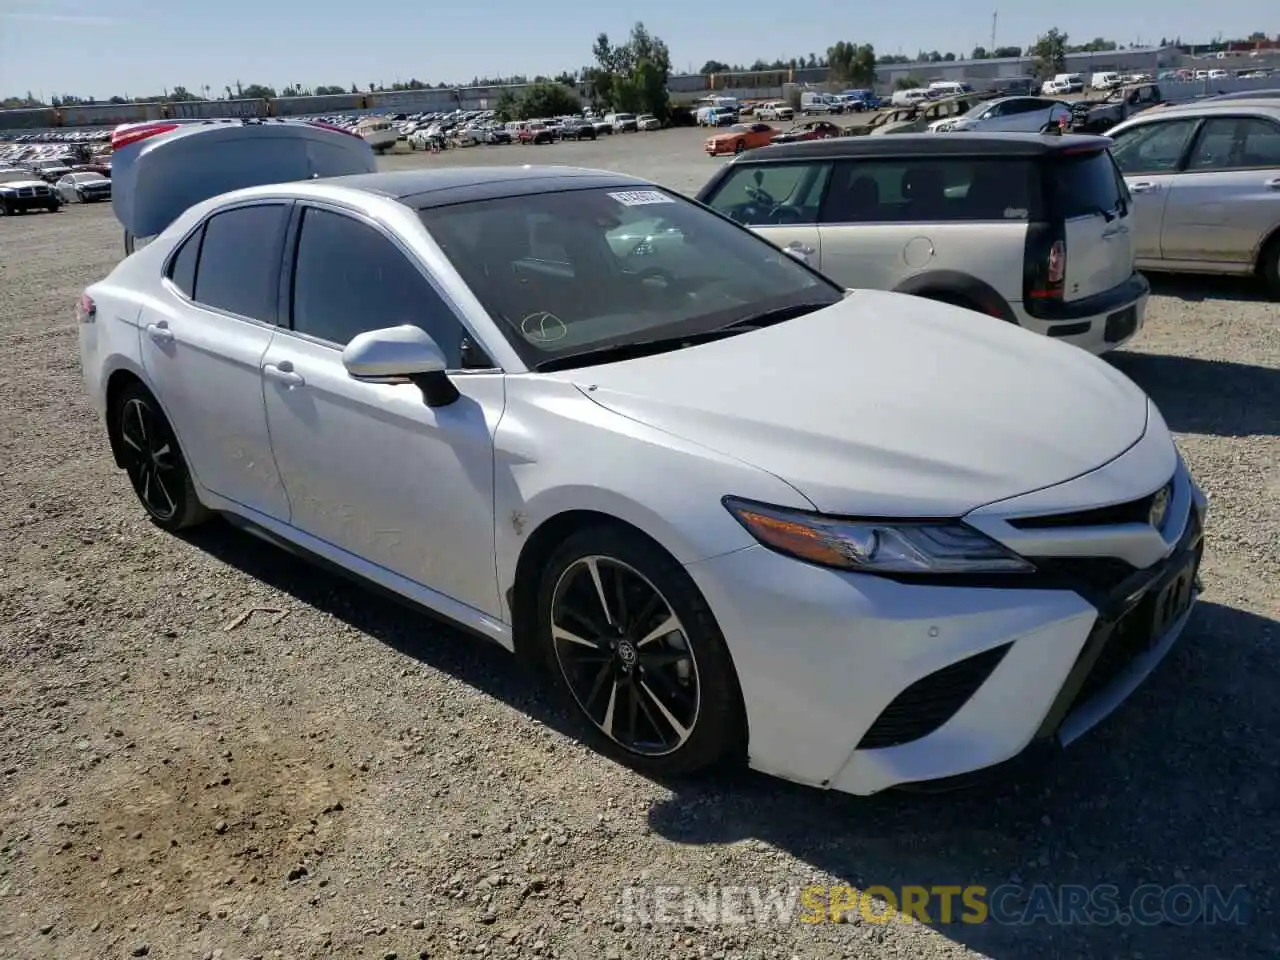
[1269, 266]
[154, 462]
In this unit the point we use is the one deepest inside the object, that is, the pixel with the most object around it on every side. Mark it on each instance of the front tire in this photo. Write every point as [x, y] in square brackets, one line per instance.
[632, 646]
[154, 462]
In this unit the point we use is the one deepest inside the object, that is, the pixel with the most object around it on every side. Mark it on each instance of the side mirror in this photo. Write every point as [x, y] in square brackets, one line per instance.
[398, 355]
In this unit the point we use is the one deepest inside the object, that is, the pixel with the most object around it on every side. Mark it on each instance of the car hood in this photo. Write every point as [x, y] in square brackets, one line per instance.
[887, 405]
[14, 184]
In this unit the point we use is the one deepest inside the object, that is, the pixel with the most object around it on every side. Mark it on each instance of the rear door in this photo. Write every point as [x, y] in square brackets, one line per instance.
[1227, 200]
[1150, 156]
[1088, 195]
[203, 339]
[779, 201]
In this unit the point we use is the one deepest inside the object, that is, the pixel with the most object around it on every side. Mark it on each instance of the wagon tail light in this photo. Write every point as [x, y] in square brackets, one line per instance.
[333, 128]
[1045, 262]
[121, 138]
[86, 309]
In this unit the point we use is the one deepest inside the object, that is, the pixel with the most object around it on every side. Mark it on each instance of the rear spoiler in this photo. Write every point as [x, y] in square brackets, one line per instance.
[160, 170]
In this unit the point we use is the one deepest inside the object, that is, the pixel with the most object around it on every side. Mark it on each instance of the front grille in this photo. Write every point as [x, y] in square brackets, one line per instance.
[930, 702]
[1134, 511]
[1121, 634]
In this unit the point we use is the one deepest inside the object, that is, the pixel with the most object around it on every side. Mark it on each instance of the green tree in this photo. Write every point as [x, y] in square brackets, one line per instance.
[906, 83]
[632, 76]
[254, 91]
[546, 99]
[979, 53]
[852, 63]
[1006, 53]
[1049, 53]
[714, 66]
[507, 108]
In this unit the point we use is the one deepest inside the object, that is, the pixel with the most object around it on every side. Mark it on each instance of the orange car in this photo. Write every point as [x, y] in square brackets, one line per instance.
[740, 137]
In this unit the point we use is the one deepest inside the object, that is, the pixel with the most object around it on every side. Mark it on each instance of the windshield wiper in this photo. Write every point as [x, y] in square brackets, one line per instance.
[767, 318]
[615, 352]
[631, 350]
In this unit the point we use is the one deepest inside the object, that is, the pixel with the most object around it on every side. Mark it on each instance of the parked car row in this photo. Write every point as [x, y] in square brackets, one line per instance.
[597, 403]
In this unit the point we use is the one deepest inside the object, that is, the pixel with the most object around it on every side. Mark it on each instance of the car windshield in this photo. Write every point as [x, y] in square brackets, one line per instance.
[580, 270]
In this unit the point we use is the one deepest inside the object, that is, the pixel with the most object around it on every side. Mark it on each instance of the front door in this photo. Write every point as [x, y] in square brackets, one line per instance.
[203, 339]
[779, 201]
[370, 468]
[1150, 156]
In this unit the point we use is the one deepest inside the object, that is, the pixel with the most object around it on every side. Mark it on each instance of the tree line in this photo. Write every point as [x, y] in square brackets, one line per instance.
[625, 77]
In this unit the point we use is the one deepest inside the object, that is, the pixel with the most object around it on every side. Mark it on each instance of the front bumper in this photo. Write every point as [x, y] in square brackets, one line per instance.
[1097, 324]
[861, 683]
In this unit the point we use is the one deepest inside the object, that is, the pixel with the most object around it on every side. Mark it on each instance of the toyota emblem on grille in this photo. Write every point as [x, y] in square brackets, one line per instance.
[1160, 506]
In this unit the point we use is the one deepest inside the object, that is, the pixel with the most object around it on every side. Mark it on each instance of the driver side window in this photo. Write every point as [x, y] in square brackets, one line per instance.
[772, 194]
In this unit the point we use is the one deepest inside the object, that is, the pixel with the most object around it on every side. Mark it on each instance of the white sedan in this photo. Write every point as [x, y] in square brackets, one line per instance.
[84, 188]
[854, 538]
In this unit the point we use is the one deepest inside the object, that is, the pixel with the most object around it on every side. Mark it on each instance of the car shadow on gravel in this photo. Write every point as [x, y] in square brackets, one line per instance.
[1178, 789]
[1214, 397]
[441, 645]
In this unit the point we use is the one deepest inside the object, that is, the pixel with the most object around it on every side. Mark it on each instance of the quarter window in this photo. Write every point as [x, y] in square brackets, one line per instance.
[182, 269]
[239, 262]
[1153, 147]
[910, 190]
[772, 194]
[349, 278]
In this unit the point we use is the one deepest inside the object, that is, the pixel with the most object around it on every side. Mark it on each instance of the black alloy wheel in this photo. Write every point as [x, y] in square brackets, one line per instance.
[633, 644]
[154, 462]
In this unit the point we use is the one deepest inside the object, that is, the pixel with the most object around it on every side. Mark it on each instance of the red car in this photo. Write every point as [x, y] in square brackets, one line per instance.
[809, 130]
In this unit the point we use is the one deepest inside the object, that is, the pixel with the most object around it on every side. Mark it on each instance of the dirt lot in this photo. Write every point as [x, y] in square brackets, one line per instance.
[210, 749]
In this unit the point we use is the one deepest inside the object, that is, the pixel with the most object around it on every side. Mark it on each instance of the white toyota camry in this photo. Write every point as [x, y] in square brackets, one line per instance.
[857, 539]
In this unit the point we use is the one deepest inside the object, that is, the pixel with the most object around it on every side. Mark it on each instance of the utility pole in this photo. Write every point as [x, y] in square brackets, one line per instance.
[995, 18]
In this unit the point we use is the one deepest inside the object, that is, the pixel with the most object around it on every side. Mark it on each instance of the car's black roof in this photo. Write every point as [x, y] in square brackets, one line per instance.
[960, 144]
[434, 188]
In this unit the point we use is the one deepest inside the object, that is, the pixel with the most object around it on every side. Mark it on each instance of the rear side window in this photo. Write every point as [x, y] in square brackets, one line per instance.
[772, 194]
[1233, 143]
[182, 268]
[1083, 185]
[911, 190]
[240, 261]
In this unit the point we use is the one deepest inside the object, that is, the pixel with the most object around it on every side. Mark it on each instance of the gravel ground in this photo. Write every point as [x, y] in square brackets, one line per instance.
[208, 748]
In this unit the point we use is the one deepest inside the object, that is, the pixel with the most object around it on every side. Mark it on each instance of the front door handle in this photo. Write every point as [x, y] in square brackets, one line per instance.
[800, 249]
[1144, 187]
[160, 332]
[1273, 184]
[283, 372]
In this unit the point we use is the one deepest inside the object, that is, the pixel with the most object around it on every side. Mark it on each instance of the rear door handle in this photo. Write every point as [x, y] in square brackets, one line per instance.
[283, 372]
[804, 250]
[1273, 184]
[1144, 187]
[160, 332]
[1114, 232]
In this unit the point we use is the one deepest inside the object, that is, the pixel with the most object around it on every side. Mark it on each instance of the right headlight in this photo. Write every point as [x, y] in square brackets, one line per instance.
[922, 547]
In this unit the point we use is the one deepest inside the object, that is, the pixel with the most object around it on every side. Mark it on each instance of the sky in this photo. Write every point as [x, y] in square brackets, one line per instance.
[140, 47]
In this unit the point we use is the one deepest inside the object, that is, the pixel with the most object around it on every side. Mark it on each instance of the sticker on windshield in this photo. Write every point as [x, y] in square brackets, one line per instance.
[641, 198]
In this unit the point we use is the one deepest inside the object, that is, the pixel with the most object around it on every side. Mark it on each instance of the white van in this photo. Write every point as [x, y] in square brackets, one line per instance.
[909, 98]
[1107, 80]
[949, 88]
[812, 101]
[1073, 82]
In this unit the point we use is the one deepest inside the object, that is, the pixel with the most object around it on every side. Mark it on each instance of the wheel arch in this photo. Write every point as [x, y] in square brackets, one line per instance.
[961, 289]
[522, 595]
[1270, 240]
[539, 545]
